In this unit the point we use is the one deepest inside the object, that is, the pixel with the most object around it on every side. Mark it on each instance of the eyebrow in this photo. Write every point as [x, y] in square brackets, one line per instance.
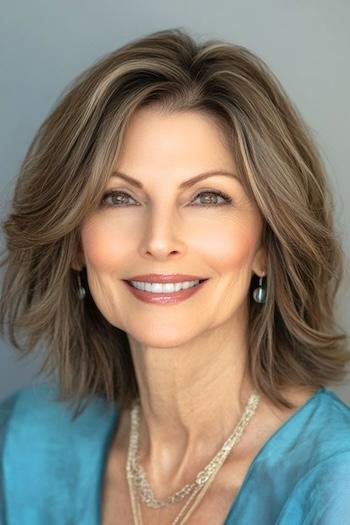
[186, 184]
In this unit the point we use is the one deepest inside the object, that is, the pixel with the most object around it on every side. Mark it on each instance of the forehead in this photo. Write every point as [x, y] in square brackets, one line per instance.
[189, 140]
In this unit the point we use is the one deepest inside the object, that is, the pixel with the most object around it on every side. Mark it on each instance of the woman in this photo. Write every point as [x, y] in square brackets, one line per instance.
[171, 241]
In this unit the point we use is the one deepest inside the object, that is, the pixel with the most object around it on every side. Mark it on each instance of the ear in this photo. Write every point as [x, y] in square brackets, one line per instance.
[259, 266]
[78, 262]
[76, 267]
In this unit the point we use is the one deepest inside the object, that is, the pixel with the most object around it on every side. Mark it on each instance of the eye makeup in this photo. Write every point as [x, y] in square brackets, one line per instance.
[120, 193]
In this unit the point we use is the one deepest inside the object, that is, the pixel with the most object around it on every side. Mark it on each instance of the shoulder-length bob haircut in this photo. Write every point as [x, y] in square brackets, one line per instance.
[294, 339]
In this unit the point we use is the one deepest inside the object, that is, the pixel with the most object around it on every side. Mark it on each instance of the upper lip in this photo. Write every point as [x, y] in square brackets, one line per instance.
[165, 278]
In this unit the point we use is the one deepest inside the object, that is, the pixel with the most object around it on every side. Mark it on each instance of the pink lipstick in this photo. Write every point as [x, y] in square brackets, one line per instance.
[164, 297]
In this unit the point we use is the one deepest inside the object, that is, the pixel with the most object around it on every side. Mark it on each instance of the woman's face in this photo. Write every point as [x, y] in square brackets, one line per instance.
[168, 229]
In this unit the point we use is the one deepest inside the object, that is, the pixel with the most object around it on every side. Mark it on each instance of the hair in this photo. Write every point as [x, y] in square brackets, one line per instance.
[294, 339]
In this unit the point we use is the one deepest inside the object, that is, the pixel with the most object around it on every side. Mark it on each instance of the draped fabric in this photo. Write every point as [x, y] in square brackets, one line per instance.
[52, 467]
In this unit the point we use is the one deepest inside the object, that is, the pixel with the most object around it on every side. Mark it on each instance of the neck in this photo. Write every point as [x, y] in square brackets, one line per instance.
[192, 397]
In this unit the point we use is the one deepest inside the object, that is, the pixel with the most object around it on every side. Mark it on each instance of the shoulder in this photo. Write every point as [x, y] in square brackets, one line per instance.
[36, 408]
[321, 493]
[45, 452]
[33, 414]
[330, 424]
[318, 430]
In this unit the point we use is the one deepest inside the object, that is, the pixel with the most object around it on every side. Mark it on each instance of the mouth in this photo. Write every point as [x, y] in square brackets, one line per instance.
[164, 293]
[164, 288]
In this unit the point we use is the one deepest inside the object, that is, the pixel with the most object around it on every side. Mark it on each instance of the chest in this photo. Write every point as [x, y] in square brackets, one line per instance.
[219, 498]
[213, 508]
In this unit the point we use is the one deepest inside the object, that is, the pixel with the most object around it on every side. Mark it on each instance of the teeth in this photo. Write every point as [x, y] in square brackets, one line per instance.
[163, 287]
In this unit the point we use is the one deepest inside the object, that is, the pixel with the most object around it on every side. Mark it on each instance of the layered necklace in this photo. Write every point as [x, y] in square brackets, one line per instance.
[139, 487]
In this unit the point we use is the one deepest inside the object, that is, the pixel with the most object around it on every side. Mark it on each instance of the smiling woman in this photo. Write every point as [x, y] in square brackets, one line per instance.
[171, 242]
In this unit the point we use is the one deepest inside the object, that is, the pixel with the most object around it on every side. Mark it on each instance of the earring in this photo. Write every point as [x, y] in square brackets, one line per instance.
[81, 293]
[259, 294]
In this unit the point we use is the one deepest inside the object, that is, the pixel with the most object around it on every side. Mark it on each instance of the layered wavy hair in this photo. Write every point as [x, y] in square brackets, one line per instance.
[294, 338]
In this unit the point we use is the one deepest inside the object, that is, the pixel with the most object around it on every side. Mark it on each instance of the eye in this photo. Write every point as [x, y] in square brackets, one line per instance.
[212, 201]
[120, 198]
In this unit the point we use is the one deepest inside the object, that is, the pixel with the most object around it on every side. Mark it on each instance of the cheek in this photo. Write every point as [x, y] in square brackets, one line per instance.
[102, 242]
[230, 248]
[230, 245]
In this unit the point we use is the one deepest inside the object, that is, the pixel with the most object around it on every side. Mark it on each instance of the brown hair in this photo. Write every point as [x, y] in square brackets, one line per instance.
[294, 338]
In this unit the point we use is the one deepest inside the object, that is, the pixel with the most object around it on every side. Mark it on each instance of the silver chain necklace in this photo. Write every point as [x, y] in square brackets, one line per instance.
[137, 477]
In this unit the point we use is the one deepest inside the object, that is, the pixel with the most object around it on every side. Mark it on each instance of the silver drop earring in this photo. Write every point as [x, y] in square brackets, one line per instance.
[259, 293]
[81, 293]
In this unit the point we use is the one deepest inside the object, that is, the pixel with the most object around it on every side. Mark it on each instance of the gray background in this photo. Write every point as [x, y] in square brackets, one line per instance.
[45, 44]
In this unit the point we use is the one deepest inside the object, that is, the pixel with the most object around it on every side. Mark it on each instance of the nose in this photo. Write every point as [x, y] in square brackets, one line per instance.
[162, 235]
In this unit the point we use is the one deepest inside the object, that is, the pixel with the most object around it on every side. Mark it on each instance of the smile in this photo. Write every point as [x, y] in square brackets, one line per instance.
[164, 293]
[164, 287]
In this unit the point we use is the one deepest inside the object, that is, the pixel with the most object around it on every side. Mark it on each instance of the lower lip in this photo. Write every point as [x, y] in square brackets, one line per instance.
[164, 298]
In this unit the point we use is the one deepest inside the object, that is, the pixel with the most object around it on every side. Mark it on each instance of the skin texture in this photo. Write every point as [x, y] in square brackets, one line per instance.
[190, 357]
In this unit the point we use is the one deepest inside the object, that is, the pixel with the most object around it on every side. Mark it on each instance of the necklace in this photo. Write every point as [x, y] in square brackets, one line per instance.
[139, 486]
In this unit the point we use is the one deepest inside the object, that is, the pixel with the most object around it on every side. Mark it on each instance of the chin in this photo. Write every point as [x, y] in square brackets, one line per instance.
[157, 338]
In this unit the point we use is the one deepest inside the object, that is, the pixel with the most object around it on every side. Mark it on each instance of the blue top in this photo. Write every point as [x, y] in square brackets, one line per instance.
[52, 467]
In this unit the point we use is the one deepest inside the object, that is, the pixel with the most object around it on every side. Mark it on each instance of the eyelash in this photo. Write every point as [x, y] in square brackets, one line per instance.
[227, 199]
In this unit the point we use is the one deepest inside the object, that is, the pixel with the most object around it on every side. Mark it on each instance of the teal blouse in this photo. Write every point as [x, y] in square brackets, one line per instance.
[52, 467]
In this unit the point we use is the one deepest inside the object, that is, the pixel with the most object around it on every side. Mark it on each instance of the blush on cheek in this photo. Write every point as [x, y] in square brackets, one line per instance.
[230, 250]
[102, 245]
